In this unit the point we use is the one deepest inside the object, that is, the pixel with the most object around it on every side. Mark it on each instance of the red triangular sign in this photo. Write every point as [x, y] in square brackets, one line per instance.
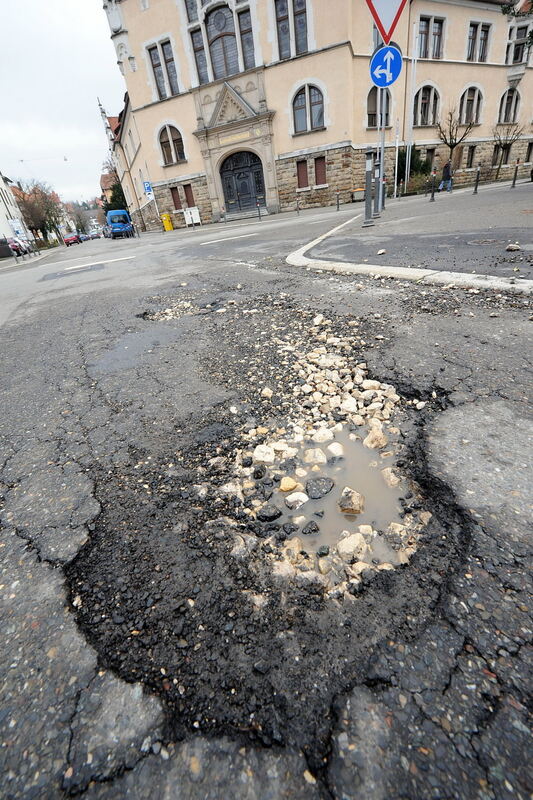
[386, 14]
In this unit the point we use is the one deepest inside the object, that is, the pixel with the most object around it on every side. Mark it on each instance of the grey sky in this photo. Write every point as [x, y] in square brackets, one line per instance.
[55, 59]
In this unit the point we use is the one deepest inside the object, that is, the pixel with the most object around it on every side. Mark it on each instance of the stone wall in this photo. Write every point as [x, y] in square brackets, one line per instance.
[343, 167]
[201, 199]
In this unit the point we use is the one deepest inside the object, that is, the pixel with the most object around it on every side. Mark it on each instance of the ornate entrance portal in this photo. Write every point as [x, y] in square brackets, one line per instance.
[242, 182]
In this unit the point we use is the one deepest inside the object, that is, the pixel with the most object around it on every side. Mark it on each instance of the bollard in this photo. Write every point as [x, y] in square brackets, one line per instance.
[476, 184]
[258, 210]
[432, 198]
[515, 175]
[401, 190]
[383, 193]
[338, 201]
[376, 213]
[298, 205]
[426, 188]
[368, 190]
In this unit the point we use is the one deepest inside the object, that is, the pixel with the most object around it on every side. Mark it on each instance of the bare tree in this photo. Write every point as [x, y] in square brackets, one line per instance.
[452, 131]
[109, 168]
[41, 207]
[504, 137]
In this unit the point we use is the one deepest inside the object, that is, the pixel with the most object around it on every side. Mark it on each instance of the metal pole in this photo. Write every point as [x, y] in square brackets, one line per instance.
[338, 202]
[377, 187]
[426, 187]
[432, 198]
[258, 210]
[377, 180]
[412, 87]
[368, 190]
[401, 189]
[298, 205]
[515, 175]
[384, 194]
[477, 178]
[397, 144]
[382, 149]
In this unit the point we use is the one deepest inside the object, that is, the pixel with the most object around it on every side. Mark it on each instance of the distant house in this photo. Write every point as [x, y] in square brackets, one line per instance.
[11, 222]
[107, 181]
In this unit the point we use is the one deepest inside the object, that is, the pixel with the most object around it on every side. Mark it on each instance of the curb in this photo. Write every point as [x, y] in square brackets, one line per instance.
[460, 280]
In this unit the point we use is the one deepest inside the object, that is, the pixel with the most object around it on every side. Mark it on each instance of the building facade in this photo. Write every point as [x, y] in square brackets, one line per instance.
[11, 221]
[234, 104]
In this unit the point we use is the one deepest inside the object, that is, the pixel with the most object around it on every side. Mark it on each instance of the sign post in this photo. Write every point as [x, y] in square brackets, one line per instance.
[385, 67]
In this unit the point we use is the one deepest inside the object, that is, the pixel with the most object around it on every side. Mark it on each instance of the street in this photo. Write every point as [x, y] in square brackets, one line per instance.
[177, 622]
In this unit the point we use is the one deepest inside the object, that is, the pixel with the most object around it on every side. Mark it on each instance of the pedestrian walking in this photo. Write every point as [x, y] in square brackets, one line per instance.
[446, 177]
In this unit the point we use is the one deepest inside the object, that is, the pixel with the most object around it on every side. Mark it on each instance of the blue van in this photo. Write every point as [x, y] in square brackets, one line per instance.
[120, 224]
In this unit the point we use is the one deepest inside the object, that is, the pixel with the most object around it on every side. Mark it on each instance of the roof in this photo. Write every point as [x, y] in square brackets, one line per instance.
[107, 181]
[113, 123]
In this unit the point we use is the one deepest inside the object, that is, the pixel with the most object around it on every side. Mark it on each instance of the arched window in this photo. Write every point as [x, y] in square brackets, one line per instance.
[171, 145]
[470, 106]
[426, 107]
[372, 107]
[308, 109]
[509, 106]
[222, 42]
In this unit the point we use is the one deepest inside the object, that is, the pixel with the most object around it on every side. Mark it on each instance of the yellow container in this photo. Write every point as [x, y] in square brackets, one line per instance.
[166, 219]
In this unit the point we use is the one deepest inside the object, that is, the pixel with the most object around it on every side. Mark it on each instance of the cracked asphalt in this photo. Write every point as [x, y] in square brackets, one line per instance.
[141, 657]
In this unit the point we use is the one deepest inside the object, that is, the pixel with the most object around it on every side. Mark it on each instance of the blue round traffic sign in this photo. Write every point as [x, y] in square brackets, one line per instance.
[385, 66]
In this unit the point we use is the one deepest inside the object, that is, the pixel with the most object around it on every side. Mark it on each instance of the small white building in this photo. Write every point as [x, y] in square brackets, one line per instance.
[11, 222]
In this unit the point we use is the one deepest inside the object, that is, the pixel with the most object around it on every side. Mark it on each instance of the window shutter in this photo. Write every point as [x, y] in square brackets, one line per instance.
[303, 180]
[320, 171]
[176, 199]
[189, 197]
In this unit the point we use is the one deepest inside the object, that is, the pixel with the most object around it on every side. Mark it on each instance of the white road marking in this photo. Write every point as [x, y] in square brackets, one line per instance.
[227, 239]
[102, 261]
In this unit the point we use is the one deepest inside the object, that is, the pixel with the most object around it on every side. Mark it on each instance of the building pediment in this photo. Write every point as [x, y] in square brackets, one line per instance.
[230, 108]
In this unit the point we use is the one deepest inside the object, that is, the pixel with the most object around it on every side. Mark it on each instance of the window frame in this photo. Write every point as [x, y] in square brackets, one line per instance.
[470, 156]
[202, 40]
[373, 92]
[177, 156]
[433, 105]
[165, 91]
[509, 105]
[320, 161]
[426, 41]
[477, 105]
[301, 183]
[292, 47]
[308, 105]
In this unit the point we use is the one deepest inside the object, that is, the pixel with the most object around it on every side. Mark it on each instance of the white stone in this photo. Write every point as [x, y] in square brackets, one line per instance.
[351, 546]
[335, 449]
[264, 454]
[371, 385]
[351, 502]
[375, 440]
[390, 477]
[315, 456]
[349, 405]
[267, 393]
[322, 435]
[296, 499]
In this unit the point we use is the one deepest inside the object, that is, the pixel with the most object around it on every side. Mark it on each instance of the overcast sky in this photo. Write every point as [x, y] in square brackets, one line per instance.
[56, 58]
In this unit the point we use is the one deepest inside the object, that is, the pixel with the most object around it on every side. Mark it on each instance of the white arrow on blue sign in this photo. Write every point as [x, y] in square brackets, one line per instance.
[385, 66]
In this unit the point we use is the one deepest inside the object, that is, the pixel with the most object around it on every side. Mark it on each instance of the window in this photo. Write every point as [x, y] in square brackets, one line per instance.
[529, 154]
[164, 69]
[176, 199]
[470, 106]
[509, 106]
[478, 39]
[430, 156]
[189, 197]
[470, 156]
[320, 171]
[300, 26]
[287, 11]
[425, 110]
[377, 38]
[308, 109]
[501, 154]
[430, 37]
[284, 32]
[192, 10]
[199, 55]
[171, 145]
[301, 171]
[247, 39]
[519, 49]
[372, 107]
[222, 42]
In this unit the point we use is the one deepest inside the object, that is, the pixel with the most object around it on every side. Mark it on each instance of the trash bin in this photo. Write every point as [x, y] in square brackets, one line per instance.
[166, 219]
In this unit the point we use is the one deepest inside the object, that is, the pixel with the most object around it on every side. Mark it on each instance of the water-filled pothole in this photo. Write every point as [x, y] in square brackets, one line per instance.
[308, 487]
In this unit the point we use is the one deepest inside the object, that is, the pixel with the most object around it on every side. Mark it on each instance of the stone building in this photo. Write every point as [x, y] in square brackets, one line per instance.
[234, 104]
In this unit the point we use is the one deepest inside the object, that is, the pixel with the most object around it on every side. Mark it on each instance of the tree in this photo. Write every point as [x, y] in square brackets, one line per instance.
[117, 199]
[504, 137]
[109, 168]
[450, 133]
[41, 207]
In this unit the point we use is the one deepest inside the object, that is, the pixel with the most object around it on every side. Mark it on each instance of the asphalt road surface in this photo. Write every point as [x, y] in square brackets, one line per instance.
[157, 640]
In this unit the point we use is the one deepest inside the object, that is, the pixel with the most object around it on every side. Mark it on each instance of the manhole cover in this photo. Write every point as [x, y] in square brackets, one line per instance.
[484, 241]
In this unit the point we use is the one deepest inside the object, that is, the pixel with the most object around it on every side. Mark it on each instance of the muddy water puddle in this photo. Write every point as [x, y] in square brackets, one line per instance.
[360, 469]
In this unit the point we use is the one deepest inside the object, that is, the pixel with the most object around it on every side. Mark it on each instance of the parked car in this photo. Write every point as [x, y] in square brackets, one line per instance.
[106, 230]
[120, 223]
[72, 238]
[94, 235]
[84, 237]
[19, 246]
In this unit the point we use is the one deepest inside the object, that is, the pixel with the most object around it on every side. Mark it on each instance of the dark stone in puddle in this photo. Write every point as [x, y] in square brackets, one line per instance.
[289, 528]
[319, 514]
[323, 550]
[268, 513]
[318, 487]
[259, 472]
[311, 528]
